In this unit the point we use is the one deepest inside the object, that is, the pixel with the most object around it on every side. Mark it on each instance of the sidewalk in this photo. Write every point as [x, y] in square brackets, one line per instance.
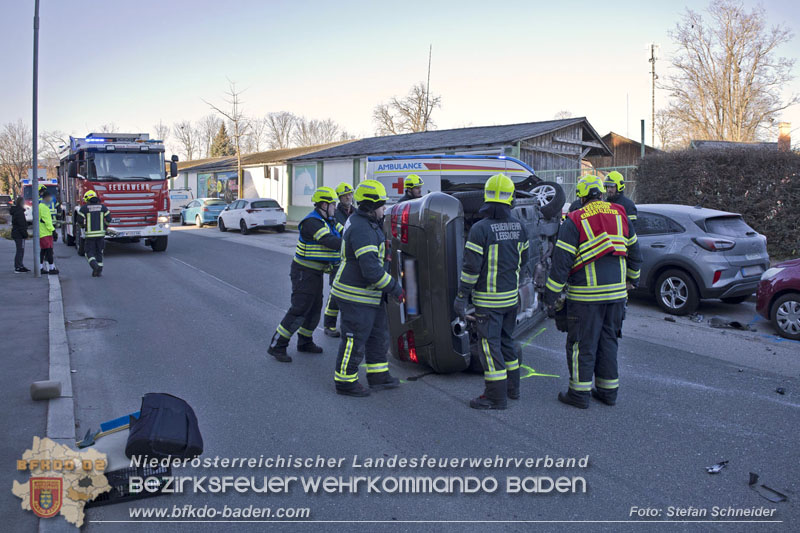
[24, 320]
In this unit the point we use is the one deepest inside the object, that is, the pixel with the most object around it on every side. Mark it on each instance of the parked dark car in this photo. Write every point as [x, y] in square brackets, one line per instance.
[778, 298]
[693, 252]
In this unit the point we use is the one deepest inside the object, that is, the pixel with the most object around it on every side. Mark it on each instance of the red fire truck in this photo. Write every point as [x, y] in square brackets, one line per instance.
[127, 171]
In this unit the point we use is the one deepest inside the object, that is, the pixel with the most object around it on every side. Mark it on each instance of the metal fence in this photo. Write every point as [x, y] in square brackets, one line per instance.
[569, 178]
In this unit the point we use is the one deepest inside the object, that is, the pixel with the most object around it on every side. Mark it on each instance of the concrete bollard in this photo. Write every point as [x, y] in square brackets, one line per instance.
[45, 390]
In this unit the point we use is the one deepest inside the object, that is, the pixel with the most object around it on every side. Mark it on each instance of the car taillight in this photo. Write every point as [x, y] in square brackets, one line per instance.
[399, 221]
[404, 223]
[713, 244]
[407, 347]
[717, 275]
[250, 210]
[205, 209]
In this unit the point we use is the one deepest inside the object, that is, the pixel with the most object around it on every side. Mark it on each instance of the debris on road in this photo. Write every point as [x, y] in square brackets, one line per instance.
[715, 469]
[775, 496]
[669, 319]
[719, 322]
[781, 391]
[696, 317]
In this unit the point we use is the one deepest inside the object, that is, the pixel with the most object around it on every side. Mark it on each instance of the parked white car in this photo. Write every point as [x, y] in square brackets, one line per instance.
[250, 214]
[178, 199]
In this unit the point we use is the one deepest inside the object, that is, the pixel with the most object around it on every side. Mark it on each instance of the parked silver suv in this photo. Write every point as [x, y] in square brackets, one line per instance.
[693, 252]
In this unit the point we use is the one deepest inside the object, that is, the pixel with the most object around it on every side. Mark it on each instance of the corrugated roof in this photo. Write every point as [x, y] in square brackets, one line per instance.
[258, 158]
[439, 140]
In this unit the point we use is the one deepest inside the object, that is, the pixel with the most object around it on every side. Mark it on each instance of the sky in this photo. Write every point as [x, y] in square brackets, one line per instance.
[137, 63]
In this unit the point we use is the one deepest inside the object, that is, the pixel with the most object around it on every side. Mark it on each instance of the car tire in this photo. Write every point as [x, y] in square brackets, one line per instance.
[551, 197]
[198, 221]
[785, 315]
[735, 299]
[221, 225]
[243, 227]
[281, 228]
[676, 293]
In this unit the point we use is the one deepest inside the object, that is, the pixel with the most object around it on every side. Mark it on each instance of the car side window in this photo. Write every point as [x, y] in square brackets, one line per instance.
[652, 224]
[674, 227]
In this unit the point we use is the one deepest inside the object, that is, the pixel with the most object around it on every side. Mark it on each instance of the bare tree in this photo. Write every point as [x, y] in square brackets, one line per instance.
[256, 139]
[310, 132]
[109, 127]
[162, 131]
[51, 144]
[729, 82]
[236, 117]
[207, 128]
[280, 127]
[564, 113]
[409, 114]
[16, 152]
[187, 136]
[666, 129]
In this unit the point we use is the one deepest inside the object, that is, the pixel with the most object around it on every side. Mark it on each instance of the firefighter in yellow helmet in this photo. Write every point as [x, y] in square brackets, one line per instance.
[94, 218]
[317, 253]
[496, 249]
[615, 194]
[359, 288]
[413, 188]
[344, 209]
[597, 259]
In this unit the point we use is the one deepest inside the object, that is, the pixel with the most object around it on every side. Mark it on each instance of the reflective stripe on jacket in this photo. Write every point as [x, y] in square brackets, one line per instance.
[495, 251]
[94, 218]
[363, 276]
[595, 256]
[318, 246]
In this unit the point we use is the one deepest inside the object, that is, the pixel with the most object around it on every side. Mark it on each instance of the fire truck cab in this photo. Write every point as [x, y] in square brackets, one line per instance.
[128, 173]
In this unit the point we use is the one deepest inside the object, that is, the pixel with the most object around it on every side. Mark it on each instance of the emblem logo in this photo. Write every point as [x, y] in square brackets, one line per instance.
[46, 496]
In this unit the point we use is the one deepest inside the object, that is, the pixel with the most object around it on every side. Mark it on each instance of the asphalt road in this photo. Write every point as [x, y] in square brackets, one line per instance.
[195, 322]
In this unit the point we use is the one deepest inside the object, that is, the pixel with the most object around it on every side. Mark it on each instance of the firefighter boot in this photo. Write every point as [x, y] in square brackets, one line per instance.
[277, 348]
[601, 397]
[493, 397]
[382, 380]
[513, 384]
[581, 401]
[100, 272]
[332, 332]
[95, 268]
[352, 389]
[306, 344]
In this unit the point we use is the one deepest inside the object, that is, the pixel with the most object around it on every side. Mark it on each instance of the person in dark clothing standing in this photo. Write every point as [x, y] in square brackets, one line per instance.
[94, 218]
[317, 253]
[496, 248]
[413, 188]
[343, 211]
[615, 187]
[19, 232]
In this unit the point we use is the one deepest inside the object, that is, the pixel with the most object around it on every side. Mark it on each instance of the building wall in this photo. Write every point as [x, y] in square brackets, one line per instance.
[337, 171]
[545, 153]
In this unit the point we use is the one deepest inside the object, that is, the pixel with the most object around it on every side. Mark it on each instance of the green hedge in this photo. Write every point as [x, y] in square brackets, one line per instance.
[762, 185]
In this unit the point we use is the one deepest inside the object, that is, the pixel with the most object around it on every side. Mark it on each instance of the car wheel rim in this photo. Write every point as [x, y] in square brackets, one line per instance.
[788, 317]
[544, 194]
[674, 293]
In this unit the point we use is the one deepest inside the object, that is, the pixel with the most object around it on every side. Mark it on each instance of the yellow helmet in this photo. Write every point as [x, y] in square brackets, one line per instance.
[42, 189]
[343, 188]
[412, 180]
[323, 194]
[615, 178]
[589, 185]
[89, 195]
[499, 188]
[371, 191]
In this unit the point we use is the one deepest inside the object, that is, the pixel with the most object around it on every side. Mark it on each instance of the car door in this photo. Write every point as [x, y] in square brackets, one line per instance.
[189, 212]
[226, 216]
[656, 240]
[234, 215]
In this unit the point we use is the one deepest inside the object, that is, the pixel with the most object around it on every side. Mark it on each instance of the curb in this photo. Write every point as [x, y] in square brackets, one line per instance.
[60, 411]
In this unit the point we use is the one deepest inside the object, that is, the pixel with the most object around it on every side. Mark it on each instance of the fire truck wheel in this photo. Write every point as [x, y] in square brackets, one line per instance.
[79, 245]
[159, 244]
[69, 240]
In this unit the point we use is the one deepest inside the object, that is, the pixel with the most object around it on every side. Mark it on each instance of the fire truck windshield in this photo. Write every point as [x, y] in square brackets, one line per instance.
[126, 166]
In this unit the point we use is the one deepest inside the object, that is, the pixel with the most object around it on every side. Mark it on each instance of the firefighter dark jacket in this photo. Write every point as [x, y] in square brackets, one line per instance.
[596, 254]
[319, 243]
[496, 250]
[627, 203]
[94, 218]
[342, 213]
[363, 276]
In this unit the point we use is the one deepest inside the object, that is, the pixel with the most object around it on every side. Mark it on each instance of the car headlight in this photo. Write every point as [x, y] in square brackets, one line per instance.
[163, 217]
[771, 273]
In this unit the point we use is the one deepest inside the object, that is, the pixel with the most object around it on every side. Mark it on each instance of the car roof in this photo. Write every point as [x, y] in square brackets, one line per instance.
[692, 212]
[257, 199]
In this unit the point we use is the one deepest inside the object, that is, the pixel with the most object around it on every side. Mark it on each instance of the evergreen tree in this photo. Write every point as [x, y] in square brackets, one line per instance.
[222, 145]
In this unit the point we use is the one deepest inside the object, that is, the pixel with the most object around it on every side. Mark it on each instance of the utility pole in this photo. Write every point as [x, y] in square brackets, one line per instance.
[35, 160]
[428, 86]
[654, 77]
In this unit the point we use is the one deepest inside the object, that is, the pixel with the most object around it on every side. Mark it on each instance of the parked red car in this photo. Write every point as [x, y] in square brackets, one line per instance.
[778, 298]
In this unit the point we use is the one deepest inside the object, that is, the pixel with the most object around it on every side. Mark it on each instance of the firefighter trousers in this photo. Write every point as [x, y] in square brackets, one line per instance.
[500, 359]
[303, 314]
[592, 331]
[364, 335]
[331, 308]
[93, 248]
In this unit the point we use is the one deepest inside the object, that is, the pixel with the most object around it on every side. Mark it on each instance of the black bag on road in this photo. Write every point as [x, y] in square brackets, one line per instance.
[166, 426]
